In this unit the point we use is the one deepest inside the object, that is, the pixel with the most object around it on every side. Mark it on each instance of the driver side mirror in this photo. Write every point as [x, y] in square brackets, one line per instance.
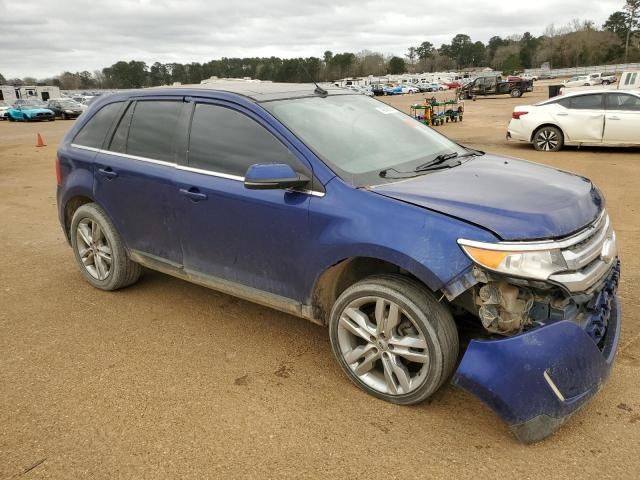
[273, 176]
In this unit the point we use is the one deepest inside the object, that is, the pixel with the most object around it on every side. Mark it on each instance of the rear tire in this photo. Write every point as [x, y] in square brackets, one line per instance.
[548, 139]
[516, 93]
[393, 339]
[99, 250]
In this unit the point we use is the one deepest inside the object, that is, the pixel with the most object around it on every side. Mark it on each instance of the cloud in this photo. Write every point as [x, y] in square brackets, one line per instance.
[44, 37]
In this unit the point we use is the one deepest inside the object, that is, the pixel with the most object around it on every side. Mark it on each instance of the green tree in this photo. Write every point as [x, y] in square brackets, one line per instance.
[327, 57]
[511, 64]
[528, 45]
[425, 50]
[397, 65]
[632, 9]
[343, 63]
[2, 80]
[617, 23]
[465, 52]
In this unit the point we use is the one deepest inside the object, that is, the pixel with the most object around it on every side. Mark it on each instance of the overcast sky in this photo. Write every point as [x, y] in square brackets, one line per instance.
[42, 38]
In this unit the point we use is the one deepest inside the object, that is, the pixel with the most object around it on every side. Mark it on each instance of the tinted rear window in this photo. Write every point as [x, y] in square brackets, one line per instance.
[153, 130]
[93, 132]
[586, 102]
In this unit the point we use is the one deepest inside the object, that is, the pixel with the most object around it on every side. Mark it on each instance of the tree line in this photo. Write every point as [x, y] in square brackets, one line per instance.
[581, 43]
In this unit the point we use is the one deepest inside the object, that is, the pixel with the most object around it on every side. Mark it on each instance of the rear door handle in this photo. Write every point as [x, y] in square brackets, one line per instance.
[193, 193]
[107, 172]
[613, 118]
[562, 114]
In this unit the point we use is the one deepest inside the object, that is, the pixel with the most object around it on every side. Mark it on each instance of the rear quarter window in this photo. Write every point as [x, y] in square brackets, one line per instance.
[93, 133]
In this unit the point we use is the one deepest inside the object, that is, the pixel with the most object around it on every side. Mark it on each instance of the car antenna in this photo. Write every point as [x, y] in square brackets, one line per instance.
[319, 90]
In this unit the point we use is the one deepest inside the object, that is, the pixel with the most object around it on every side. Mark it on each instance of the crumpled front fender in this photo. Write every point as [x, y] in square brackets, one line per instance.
[535, 381]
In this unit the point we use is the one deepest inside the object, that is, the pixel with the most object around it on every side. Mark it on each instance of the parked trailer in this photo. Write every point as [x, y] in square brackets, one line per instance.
[9, 93]
[629, 80]
[44, 92]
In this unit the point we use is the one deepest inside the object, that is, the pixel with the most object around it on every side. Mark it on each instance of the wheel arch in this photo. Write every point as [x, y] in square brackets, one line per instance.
[70, 207]
[548, 124]
[336, 278]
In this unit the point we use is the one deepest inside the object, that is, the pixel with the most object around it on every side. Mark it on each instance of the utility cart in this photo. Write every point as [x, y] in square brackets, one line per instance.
[435, 113]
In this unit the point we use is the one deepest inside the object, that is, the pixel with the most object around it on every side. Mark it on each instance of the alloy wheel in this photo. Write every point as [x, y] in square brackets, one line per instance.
[547, 140]
[382, 345]
[94, 249]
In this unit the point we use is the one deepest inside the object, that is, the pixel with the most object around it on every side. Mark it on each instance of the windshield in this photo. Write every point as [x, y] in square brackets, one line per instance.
[358, 137]
[32, 103]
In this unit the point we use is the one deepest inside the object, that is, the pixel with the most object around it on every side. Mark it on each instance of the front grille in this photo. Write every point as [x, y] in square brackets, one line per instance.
[589, 256]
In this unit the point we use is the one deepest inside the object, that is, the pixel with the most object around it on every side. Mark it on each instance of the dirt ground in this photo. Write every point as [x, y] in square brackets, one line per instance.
[171, 380]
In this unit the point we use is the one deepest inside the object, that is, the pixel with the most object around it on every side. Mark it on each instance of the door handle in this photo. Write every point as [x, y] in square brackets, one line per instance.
[108, 172]
[194, 194]
[613, 118]
[561, 114]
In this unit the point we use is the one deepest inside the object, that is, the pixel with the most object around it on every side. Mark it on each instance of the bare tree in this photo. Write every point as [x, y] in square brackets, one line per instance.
[411, 56]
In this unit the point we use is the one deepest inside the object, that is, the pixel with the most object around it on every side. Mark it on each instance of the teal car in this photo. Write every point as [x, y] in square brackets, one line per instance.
[29, 110]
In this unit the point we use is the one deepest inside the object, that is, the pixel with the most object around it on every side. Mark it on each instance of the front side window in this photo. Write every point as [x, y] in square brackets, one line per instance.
[153, 130]
[94, 131]
[623, 101]
[226, 141]
[358, 137]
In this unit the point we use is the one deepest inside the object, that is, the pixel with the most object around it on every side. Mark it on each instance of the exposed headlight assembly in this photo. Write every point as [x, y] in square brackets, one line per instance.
[522, 260]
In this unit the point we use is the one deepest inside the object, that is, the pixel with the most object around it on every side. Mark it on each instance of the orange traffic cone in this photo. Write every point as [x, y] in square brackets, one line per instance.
[40, 143]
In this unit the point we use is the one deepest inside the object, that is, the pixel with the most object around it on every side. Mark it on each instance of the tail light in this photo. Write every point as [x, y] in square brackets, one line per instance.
[58, 174]
[517, 115]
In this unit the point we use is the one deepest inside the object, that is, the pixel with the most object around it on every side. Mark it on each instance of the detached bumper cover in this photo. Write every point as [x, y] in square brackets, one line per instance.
[535, 381]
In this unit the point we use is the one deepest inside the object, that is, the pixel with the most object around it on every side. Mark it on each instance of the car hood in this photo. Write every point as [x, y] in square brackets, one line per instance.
[515, 199]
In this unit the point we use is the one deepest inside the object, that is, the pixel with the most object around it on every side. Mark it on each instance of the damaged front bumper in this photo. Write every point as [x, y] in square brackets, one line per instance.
[536, 380]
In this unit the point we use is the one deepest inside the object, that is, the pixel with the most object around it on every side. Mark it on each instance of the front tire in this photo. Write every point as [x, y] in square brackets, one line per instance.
[393, 339]
[99, 250]
[548, 139]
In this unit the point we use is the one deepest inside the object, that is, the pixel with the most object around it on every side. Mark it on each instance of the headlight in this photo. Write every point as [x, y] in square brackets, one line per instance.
[528, 261]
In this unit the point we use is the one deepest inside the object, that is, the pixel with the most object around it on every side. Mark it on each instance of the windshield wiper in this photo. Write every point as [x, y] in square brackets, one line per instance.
[438, 160]
[415, 173]
[472, 152]
[436, 163]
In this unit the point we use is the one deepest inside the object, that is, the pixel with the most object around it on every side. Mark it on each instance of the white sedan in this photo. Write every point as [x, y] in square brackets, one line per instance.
[409, 88]
[580, 81]
[4, 108]
[596, 117]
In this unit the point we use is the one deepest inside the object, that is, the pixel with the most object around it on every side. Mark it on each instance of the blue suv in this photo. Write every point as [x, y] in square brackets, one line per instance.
[427, 260]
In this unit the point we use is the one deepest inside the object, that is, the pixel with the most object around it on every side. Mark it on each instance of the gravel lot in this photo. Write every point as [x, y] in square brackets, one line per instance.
[171, 380]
